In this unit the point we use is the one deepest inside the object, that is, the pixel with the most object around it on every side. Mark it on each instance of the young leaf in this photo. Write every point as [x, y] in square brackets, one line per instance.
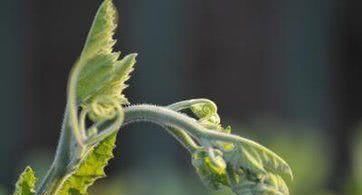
[97, 52]
[212, 172]
[113, 87]
[90, 168]
[268, 184]
[246, 154]
[96, 74]
[100, 37]
[116, 84]
[216, 171]
[243, 156]
[254, 157]
[26, 183]
[102, 73]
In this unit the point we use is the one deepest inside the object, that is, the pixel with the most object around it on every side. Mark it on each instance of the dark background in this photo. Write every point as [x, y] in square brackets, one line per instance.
[285, 72]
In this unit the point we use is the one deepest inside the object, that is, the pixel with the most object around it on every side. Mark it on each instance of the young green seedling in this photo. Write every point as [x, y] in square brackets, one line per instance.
[95, 93]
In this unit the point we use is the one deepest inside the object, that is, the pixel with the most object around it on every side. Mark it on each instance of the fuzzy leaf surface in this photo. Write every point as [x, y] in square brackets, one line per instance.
[26, 183]
[103, 73]
[254, 157]
[90, 169]
[268, 184]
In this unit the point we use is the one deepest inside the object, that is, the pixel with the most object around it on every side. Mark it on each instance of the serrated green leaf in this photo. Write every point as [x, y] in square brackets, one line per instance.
[246, 154]
[111, 90]
[103, 74]
[254, 157]
[100, 37]
[90, 168]
[116, 84]
[99, 72]
[243, 180]
[268, 184]
[26, 183]
[97, 59]
[252, 168]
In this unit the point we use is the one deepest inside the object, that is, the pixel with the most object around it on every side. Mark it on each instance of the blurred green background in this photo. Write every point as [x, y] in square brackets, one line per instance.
[286, 73]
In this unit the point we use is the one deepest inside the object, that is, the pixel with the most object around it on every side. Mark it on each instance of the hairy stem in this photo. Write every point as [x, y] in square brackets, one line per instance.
[184, 138]
[184, 128]
[166, 117]
[67, 155]
[62, 157]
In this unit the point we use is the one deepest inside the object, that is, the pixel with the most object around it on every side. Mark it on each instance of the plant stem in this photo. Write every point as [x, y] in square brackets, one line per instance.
[181, 126]
[52, 180]
[184, 138]
[61, 159]
[167, 117]
[67, 154]
[72, 106]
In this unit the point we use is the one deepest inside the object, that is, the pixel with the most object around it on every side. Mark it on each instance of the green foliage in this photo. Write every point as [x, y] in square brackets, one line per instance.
[256, 158]
[26, 183]
[95, 92]
[268, 184]
[102, 73]
[207, 116]
[100, 82]
[256, 169]
[245, 170]
[249, 167]
[97, 59]
[211, 168]
[100, 37]
[90, 168]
